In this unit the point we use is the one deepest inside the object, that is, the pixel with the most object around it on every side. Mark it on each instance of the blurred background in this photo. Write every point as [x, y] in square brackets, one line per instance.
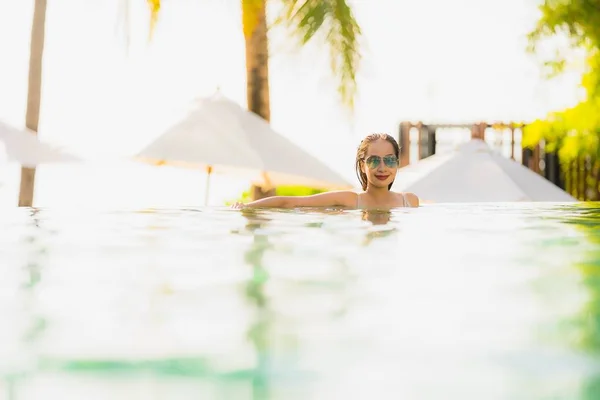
[117, 73]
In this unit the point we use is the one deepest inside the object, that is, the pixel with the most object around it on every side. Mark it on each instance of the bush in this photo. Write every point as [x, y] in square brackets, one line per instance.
[297, 191]
[280, 191]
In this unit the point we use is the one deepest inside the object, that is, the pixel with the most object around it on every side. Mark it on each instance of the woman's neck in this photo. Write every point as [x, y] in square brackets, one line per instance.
[378, 193]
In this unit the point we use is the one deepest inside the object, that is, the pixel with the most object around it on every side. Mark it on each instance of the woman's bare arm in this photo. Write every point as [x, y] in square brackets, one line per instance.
[328, 199]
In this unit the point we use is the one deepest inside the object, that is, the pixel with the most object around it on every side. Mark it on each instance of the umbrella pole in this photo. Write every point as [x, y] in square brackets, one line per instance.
[208, 172]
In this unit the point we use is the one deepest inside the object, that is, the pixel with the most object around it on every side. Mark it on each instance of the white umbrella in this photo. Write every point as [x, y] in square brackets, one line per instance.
[475, 173]
[24, 147]
[220, 136]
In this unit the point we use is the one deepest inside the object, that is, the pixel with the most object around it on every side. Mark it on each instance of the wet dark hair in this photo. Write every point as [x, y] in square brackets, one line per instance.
[361, 152]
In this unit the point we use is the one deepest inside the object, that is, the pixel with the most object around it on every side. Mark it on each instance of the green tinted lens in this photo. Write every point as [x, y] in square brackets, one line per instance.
[373, 162]
[390, 161]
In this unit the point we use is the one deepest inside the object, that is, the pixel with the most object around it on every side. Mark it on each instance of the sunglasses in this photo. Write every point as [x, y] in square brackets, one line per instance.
[389, 161]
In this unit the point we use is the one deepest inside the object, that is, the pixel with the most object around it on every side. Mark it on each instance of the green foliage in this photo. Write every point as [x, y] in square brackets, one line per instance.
[341, 31]
[591, 79]
[297, 191]
[280, 191]
[578, 19]
[579, 22]
[243, 198]
[574, 133]
[334, 19]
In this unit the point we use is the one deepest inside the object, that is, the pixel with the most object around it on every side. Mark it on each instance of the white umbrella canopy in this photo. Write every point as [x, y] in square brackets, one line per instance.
[24, 147]
[475, 173]
[220, 136]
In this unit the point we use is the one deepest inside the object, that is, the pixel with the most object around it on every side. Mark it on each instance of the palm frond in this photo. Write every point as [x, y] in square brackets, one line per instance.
[341, 31]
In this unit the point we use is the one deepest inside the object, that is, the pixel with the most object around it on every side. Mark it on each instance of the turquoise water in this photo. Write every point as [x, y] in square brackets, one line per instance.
[475, 301]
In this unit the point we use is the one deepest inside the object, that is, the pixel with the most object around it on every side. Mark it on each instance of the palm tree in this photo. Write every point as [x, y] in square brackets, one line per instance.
[34, 93]
[334, 18]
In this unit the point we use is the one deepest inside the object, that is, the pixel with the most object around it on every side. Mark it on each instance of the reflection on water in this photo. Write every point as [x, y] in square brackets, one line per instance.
[258, 333]
[494, 301]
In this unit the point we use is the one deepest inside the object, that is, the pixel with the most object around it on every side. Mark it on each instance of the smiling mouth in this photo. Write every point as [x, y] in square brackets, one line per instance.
[382, 177]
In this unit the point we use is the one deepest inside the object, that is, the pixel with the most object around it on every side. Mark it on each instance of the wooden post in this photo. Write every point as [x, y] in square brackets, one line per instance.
[422, 141]
[405, 143]
[474, 132]
[535, 160]
[427, 141]
[34, 95]
[552, 170]
[582, 177]
[586, 177]
[478, 130]
[577, 178]
[512, 142]
[432, 140]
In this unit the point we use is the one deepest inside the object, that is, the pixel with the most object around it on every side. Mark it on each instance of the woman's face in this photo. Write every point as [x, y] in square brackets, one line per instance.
[380, 164]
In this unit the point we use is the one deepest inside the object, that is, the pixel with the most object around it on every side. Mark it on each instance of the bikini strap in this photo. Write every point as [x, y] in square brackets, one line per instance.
[405, 201]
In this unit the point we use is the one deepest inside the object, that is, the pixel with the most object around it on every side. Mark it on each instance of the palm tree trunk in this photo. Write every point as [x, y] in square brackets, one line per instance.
[254, 18]
[34, 92]
[257, 57]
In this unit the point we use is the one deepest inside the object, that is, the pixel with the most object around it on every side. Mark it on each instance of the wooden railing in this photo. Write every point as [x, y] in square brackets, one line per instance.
[536, 159]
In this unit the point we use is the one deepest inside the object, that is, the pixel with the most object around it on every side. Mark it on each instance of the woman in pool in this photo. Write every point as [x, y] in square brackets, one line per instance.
[376, 166]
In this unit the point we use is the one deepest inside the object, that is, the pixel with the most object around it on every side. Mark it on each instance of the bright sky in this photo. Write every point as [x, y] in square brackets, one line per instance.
[434, 60]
